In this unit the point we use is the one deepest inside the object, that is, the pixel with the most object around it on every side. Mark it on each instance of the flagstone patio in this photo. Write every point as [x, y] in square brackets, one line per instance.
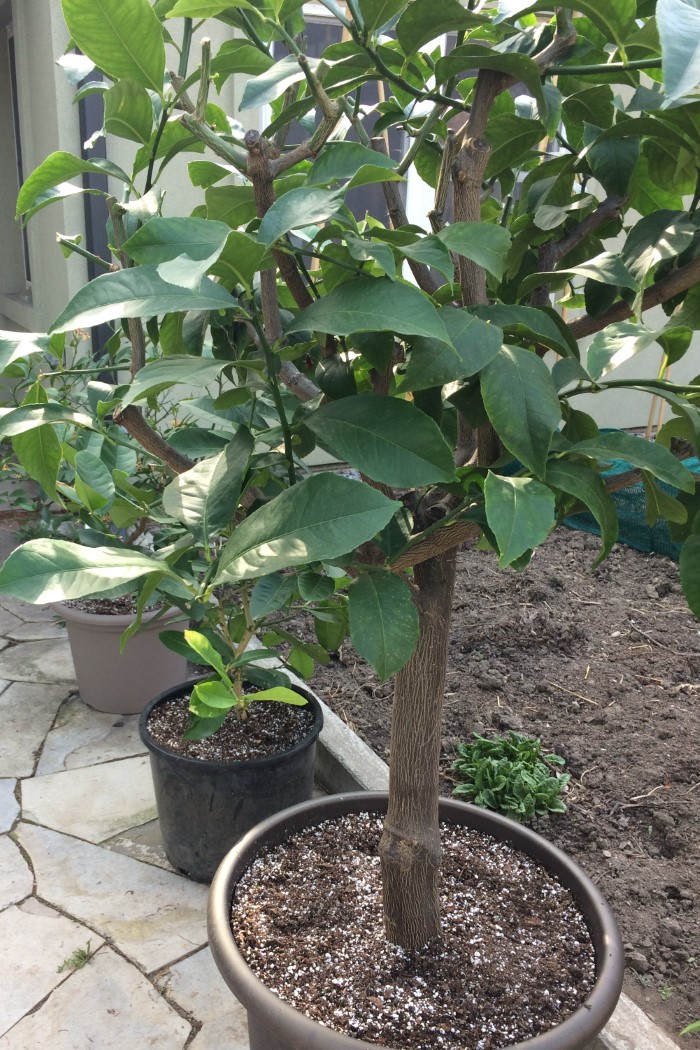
[82, 868]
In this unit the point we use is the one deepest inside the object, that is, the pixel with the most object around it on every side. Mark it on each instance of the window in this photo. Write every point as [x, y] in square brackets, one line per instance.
[16, 127]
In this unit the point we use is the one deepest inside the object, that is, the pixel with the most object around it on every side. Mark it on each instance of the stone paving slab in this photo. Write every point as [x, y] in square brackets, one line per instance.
[9, 806]
[49, 662]
[143, 843]
[91, 802]
[152, 916]
[9, 622]
[35, 632]
[82, 736]
[34, 942]
[229, 1032]
[28, 613]
[108, 1005]
[27, 712]
[16, 879]
[196, 985]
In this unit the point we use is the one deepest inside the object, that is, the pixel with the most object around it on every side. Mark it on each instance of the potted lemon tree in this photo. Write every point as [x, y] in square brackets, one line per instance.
[561, 151]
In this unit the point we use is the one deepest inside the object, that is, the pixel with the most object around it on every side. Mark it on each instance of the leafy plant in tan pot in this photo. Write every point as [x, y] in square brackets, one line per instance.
[562, 152]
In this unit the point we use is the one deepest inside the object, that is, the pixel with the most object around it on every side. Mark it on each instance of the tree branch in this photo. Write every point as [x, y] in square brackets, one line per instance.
[398, 217]
[136, 426]
[674, 283]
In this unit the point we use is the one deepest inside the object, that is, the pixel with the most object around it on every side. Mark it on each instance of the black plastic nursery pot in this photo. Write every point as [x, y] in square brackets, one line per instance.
[204, 807]
[274, 1025]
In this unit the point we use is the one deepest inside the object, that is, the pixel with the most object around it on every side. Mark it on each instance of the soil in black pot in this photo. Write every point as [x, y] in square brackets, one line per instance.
[515, 958]
[271, 727]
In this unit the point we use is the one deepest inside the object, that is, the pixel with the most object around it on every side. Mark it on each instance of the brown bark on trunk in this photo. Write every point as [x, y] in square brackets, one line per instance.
[410, 845]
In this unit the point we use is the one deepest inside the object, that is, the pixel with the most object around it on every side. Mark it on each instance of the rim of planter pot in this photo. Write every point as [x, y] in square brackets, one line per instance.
[207, 763]
[69, 612]
[574, 1033]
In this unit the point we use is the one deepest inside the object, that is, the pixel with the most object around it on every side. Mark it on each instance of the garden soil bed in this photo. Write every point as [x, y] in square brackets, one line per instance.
[603, 665]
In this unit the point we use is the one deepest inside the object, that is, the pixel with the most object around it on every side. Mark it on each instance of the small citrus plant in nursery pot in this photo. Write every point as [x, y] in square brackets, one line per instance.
[432, 358]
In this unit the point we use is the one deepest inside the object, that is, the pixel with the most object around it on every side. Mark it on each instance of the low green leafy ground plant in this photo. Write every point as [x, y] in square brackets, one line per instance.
[511, 775]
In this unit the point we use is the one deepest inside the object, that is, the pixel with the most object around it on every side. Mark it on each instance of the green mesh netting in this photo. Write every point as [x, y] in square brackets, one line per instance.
[631, 506]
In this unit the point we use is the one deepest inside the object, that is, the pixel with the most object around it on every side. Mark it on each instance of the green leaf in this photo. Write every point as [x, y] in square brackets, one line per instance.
[15, 421]
[385, 438]
[238, 56]
[522, 404]
[241, 258]
[536, 326]
[271, 593]
[678, 23]
[384, 624]
[342, 160]
[431, 363]
[616, 344]
[300, 662]
[181, 249]
[606, 268]
[475, 56]
[640, 453]
[314, 587]
[137, 292]
[16, 345]
[55, 171]
[129, 111]
[612, 164]
[322, 517]
[662, 235]
[364, 251]
[234, 205]
[484, 243]
[95, 474]
[281, 694]
[209, 699]
[376, 13]
[43, 571]
[123, 39]
[660, 504]
[423, 22]
[356, 306]
[614, 18]
[39, 452]
[512, 140]
[274, 81]
[206, 8]
[431, 252]
[168, 371]
[204, 649]
[689, 565]
[304, 206]
[588, 487]
[520, 513]
[205, 497]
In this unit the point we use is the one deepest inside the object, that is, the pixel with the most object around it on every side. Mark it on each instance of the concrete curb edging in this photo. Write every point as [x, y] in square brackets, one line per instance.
[344, 762]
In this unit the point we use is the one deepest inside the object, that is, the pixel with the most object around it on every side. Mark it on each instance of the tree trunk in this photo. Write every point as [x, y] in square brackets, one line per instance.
[410, 845]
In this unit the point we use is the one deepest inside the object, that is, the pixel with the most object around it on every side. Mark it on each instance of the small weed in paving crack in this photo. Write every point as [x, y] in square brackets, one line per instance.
[76, 961]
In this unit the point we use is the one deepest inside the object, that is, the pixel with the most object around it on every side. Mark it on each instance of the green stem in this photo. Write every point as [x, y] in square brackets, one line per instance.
[73, 247]
[609, 67]
[271, 365]
[261, 46]
[185, 49]
[425, 129]
[654, 384]
[405, 85]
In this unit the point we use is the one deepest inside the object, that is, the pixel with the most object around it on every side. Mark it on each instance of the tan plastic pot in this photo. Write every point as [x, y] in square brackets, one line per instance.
[274, 1025]
[123, 683]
